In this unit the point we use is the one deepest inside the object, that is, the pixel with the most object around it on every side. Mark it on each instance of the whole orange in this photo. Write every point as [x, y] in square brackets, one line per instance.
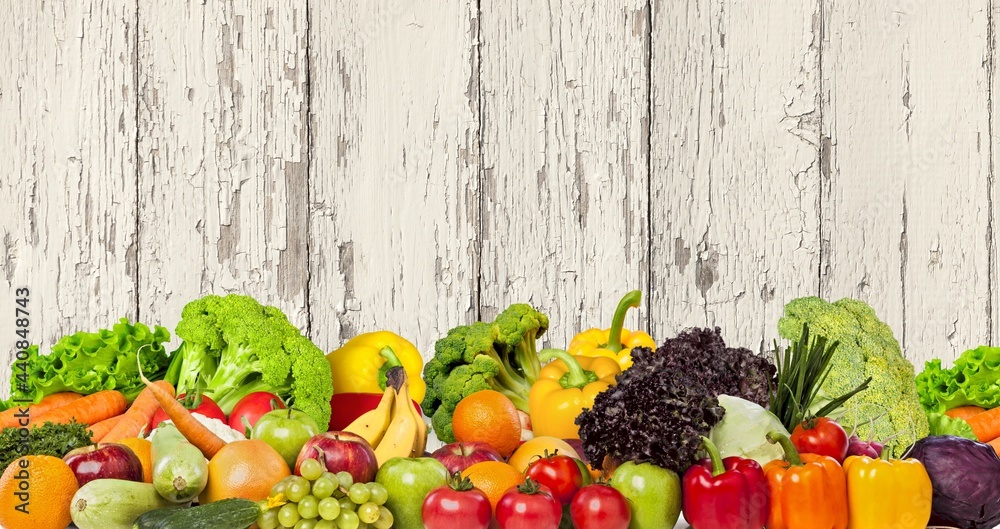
[493, 478]
[244, 469]
[535, 448]
[143, 450]
[488, 417]
[51, 486]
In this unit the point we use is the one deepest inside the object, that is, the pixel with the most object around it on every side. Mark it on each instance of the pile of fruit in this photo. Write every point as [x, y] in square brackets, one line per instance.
[249, 424]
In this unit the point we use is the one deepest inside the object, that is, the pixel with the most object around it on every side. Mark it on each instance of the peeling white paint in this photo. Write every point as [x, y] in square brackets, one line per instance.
[414, 165]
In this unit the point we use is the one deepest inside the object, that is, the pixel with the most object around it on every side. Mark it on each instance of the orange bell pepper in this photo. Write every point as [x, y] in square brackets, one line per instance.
[808, 491]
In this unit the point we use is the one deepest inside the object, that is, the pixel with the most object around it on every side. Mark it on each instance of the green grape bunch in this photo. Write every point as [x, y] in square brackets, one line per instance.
[318, 499]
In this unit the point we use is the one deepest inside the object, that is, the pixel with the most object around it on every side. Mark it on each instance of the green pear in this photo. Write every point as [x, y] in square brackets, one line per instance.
[653, 492]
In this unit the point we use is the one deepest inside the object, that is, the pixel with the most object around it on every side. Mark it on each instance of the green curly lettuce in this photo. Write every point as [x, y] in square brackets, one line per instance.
[973, 380]
[942, 424]
[88, 362]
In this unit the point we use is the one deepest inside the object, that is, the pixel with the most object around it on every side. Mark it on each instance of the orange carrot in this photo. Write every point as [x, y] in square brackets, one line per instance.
[138, 416]
[996, 445]
[91, 409]
[100, 430]
[986, 425]
[195, 432]
[9, 418]
[964, 412]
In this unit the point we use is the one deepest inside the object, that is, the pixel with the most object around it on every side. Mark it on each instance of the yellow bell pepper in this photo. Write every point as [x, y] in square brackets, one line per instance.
[894, 494]
[359, 366]
[566, 387]
[616, 342]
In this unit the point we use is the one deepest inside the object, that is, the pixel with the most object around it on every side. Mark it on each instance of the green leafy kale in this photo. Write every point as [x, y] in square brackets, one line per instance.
[501, 356]
[49, 439]
[234, 346]
[88, 362]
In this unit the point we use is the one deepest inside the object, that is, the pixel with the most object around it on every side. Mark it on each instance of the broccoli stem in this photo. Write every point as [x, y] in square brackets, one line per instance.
[527, 357]
[628, 301]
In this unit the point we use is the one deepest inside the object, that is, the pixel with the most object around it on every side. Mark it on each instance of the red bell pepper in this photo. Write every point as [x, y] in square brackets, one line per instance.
[728, 493]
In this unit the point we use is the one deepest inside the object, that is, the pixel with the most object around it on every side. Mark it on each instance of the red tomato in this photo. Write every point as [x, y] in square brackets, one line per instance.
[252, 407]
[599, 507]
[457, 505]
[207, 407]
[561, 474]
[529, 506]
[821, 436]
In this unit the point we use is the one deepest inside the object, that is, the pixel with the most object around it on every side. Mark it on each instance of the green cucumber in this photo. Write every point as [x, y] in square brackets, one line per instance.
[113, 503]
[180, 471]
[224, 514]
[152, 519]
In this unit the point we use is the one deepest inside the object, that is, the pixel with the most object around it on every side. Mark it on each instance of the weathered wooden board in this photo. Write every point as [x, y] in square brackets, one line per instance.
[223, 151]
[906, 185]
[565, 103]
[735, 158]
[394, 188]
[416, 165]
[67, 182]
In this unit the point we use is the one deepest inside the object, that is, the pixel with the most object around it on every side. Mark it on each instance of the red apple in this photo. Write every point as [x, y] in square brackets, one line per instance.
[104, 461]
[341, 451]
[457, 457]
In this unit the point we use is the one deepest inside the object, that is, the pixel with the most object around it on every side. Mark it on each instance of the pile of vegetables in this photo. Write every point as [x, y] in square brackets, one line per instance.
[833, 429]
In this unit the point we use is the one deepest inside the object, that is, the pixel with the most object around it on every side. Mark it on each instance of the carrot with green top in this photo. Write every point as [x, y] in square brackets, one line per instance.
[195, 432]
[137, 417]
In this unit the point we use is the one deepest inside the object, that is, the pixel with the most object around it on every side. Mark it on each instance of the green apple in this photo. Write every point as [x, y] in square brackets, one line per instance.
[653, 492]
[286, 431]
[408, 481]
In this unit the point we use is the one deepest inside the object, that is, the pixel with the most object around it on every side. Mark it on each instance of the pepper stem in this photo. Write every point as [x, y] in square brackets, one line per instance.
[713, 453]
[576, 376]
[791, 454]
[629, 301]
[391, 361]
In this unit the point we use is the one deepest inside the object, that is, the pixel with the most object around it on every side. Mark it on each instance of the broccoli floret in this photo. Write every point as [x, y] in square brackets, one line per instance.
[890, 408]
[234, 346]
[519, 328]
[501, 356]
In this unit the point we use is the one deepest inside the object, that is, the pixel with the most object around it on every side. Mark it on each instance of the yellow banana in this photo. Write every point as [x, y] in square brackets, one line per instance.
[373, 424]
[399, 438]
[420, 438]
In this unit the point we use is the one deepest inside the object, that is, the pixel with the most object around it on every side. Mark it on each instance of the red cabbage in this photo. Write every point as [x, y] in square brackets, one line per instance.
[965, 474]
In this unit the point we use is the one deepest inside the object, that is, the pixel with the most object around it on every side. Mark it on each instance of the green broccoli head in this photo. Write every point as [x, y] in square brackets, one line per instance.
[234, 346]
[518, 328]
[889, 410]
[460, 346]
[501, 356]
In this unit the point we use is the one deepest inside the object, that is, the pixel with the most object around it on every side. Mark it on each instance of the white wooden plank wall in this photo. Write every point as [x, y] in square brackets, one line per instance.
[414, 165]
